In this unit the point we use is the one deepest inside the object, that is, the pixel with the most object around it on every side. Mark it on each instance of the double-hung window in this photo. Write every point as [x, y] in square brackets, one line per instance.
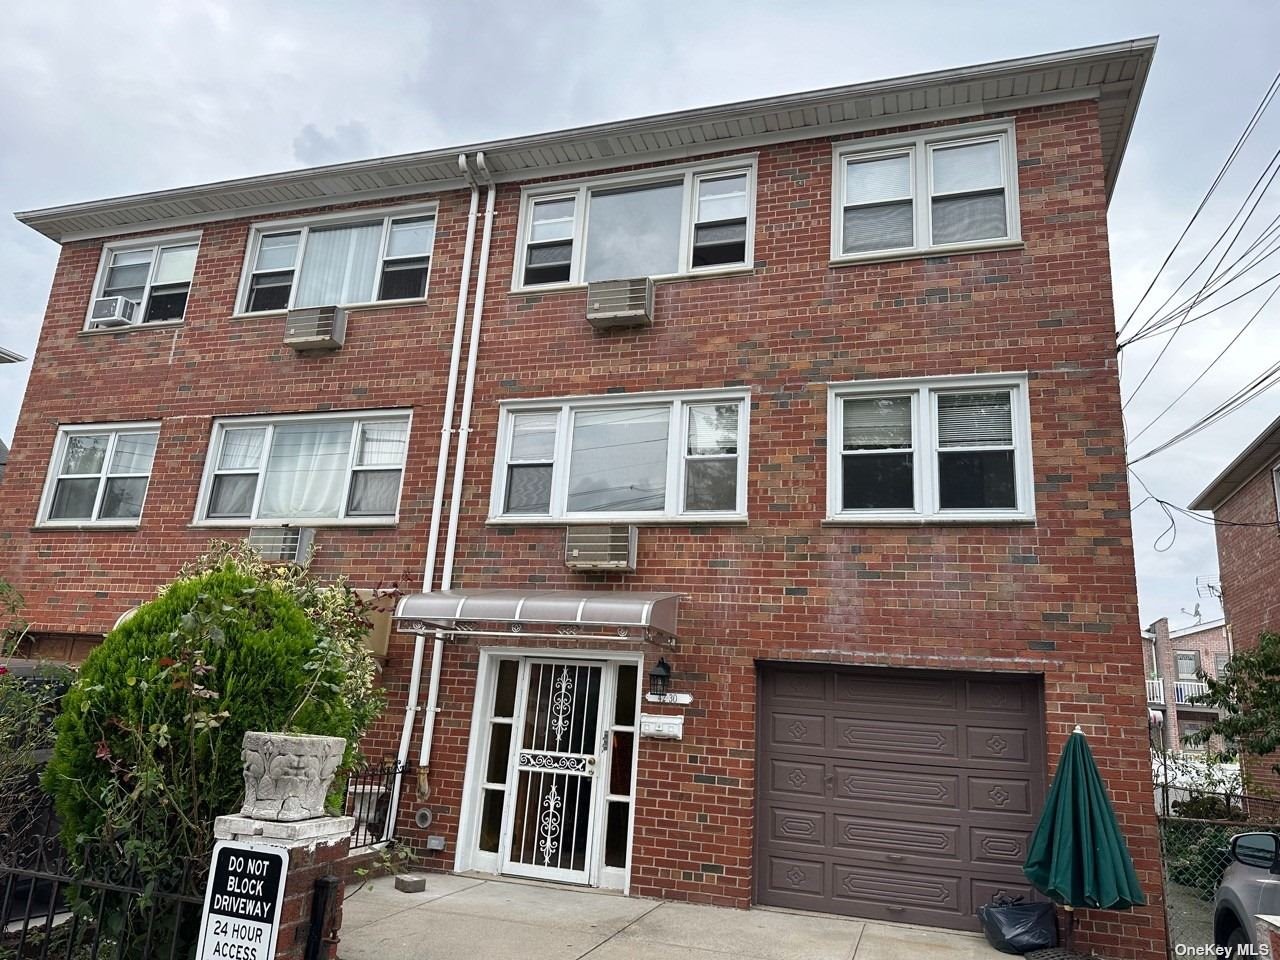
[1187, 664]
[305, 469]
[645, 457]
[154, 274]
[938, 190]
[358, 259]
[930, 450]
[662, 224]
[99, 474]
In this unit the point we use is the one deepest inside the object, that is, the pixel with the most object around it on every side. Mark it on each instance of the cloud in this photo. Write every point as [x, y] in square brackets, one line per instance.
[349, 141]
[207, 90]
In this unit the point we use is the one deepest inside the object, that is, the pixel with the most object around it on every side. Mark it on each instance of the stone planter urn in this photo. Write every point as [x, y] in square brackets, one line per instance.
[287, 775]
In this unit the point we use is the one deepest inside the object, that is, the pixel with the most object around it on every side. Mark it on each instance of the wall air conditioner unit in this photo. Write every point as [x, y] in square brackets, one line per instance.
[316, 328]
[620, 303]
[283, 544]
[601, 548]
[110, 312]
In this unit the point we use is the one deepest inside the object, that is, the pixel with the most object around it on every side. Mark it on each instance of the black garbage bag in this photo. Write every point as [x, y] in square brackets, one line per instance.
[1013, 926]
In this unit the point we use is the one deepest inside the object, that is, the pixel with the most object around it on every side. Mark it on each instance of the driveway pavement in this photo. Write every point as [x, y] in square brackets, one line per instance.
[469, 917]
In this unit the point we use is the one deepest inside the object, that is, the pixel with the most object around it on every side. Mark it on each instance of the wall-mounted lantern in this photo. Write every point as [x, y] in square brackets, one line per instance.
[660, 678]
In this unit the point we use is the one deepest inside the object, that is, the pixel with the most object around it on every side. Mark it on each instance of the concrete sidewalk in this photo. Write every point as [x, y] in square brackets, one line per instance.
[468, 917]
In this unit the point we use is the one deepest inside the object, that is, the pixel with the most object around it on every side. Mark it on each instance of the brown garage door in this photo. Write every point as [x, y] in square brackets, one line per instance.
[896, 795]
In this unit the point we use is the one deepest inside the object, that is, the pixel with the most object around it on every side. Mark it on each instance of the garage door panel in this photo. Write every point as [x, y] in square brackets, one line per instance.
[792, 825]
[796, 877]
[808, 685]
[914, 804]
[997, 744]
[797, 777]
[989, 695]
[883, 839]
[989, 846]
[896, 786]
[999, 795]
[863, 736]
[922, 693]
[789, 730]
[858, 884]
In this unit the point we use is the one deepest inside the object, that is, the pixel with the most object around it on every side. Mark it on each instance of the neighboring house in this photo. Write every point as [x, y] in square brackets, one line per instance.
[1245, 500]
[7, 356]
[863, 435]
[1177, 662]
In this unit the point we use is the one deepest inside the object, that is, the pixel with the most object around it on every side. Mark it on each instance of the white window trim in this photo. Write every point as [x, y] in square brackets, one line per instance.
[66, 431]
[926, 511]
[303, 225]
[918, 146]
[676, 447]
[580, 191]
[1196, 670]
[1275, 483]
[140, 243]
[220, 424]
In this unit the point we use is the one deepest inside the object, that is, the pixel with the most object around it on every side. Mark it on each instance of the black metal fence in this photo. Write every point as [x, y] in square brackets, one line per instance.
[369, 793]
[53, 907]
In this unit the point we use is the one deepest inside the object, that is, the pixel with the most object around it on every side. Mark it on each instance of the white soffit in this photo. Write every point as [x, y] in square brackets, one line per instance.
[1114, 74]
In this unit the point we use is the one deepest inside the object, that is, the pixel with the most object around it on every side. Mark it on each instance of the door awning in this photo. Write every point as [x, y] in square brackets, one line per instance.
[587, 614]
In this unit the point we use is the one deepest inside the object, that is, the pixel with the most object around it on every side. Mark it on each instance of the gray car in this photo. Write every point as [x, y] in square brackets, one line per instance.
[1250, 887]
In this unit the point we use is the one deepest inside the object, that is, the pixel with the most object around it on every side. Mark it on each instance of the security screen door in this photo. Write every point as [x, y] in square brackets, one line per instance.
[550, 826]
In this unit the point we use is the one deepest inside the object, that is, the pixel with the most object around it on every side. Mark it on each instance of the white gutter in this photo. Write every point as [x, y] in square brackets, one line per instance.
[437, 503]
[460, 461]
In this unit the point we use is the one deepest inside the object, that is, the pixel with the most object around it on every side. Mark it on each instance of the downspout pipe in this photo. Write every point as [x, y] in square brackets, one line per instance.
[460, 462]
[437, 503]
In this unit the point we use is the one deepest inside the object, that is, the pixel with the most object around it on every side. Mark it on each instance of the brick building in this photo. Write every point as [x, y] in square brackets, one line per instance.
[1245, 499]
[867, 432]
[1176, 662]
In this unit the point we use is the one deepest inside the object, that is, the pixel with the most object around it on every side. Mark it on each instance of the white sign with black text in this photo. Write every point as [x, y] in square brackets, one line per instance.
[242, 901]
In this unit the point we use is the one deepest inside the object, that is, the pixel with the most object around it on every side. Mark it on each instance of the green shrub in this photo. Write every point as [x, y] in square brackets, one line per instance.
[148, 748]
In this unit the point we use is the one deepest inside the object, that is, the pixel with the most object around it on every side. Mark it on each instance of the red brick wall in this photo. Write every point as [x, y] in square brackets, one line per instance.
[1056, 597]
[1249, 564]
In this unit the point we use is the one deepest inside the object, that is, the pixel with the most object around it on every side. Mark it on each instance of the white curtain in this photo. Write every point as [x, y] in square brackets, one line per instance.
[338, 266]
[306, 471]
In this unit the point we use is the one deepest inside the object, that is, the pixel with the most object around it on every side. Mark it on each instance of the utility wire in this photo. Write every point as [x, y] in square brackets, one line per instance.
[1257, 313]
[1243, 223]
[1231, 157]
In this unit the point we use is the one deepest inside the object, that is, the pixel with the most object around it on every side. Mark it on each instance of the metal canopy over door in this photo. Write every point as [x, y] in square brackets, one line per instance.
[896, 795]
[549, 827]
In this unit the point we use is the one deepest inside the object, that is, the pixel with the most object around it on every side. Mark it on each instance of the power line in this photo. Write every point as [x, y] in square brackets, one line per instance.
[1251, 391]
[1257, 313]
[1243, 223]
[1231, 157]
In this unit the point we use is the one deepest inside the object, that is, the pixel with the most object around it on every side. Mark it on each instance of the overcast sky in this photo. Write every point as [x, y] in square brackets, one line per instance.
[108, 98]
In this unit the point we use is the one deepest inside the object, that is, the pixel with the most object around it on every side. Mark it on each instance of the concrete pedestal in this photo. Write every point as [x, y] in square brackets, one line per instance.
[317, 849]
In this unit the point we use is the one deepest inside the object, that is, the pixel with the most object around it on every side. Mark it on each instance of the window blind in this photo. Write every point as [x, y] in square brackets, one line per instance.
[975, 420]
[877, 423]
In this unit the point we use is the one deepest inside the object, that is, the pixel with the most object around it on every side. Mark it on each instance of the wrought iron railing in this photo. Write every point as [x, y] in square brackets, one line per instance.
[95, 906]
[369, 793]
[1155, 691]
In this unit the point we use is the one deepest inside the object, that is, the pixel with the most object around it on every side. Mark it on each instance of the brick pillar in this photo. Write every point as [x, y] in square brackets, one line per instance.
[317, 848]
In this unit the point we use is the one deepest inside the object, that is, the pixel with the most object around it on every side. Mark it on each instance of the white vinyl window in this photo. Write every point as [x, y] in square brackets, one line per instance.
[646, 457]
[155, 275]
[938, 190]
[99, 475]
[1187, 664]
[930, 450]
[355, 259]
[664, 223]
[306, 469]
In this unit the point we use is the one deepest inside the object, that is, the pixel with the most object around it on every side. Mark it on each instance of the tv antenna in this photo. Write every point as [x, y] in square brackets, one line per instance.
[1194, 613]
[1207, 586]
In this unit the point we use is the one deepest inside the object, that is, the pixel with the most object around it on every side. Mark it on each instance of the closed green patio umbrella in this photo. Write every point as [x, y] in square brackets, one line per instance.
[1077, 856]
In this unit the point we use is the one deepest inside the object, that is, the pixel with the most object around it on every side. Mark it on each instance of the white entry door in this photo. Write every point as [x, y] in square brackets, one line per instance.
[550, 825]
